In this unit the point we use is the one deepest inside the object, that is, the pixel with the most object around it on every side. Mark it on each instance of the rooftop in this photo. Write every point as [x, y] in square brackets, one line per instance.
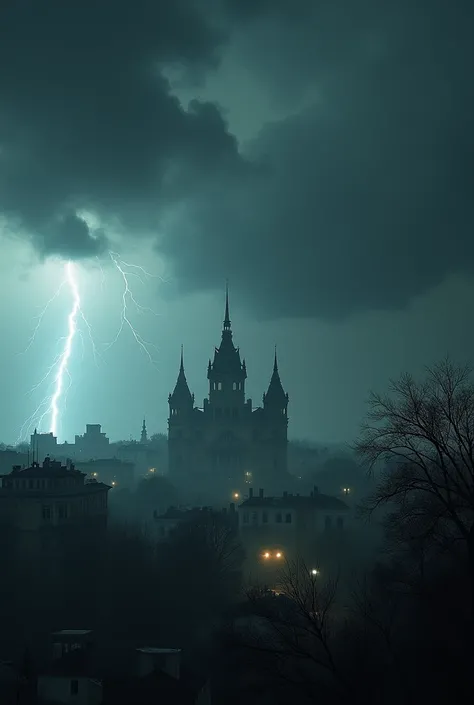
[49, 469]
[180, 512]
[116, 668]
[72, 632]
[154, 650]
[104, 461]
[314, 501]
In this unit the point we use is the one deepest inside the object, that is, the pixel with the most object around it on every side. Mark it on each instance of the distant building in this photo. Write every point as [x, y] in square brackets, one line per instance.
[141, 455]
[50, 495]
[92, 444]
[164, 524]
[275, 529]
[144, 435]
[9, 458]
[43, 444]
[111, 471]
[227, 443]
[85, 671]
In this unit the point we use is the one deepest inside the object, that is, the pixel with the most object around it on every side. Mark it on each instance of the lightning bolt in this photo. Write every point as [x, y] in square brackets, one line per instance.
[127, 299]
[51, 405]
[66, 353]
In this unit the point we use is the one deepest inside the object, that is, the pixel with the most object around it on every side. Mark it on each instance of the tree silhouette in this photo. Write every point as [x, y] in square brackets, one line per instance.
[424, 434]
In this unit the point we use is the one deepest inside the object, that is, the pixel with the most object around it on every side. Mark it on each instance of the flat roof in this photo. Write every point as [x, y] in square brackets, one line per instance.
[153, 650]
[294, 501]
[72, 632]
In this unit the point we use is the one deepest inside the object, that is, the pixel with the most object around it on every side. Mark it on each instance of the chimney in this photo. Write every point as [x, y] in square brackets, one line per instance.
[250, 492]
[260, 493]
[316, 490]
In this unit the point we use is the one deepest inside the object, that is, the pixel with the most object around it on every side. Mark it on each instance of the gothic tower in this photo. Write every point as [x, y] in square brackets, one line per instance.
[226, 373]
[275, 428]
[181, 406]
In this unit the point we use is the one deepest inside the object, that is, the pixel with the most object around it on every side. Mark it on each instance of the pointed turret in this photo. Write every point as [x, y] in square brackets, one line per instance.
[275, 398]
[227, 357]
[226, 314]
[181, 399]
[144, 435]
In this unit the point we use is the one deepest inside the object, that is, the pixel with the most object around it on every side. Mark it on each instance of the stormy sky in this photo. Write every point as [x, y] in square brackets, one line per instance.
[315, 153]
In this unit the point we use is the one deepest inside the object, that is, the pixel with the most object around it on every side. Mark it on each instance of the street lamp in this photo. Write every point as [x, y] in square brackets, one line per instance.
[314, 572]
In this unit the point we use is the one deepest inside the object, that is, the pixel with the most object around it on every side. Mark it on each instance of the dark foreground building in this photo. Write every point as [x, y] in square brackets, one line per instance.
[227, 443]
[92, 672]
[42, 504]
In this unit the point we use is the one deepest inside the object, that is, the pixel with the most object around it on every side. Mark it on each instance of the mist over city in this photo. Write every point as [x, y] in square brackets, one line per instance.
[237, 403]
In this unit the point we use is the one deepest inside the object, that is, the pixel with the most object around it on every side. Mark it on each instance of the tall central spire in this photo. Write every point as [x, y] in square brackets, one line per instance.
[226, 315]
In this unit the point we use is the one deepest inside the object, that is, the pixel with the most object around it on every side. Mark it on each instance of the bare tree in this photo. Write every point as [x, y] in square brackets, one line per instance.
[214, 535]
[424, 433]
[292, 632]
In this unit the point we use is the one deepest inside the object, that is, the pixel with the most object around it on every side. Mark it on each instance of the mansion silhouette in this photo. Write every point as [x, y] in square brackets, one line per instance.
[227, 443]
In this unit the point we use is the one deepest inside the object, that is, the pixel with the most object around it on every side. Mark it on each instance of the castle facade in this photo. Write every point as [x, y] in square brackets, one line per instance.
[227, 443]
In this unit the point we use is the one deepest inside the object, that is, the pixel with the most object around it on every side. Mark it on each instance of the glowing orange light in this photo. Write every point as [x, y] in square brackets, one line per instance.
[278, 555]
[266, 554]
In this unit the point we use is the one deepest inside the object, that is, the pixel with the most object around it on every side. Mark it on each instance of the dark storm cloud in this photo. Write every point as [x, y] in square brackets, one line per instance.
[87, 120]
[367, 196]
[363, 199]
[69, 236]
